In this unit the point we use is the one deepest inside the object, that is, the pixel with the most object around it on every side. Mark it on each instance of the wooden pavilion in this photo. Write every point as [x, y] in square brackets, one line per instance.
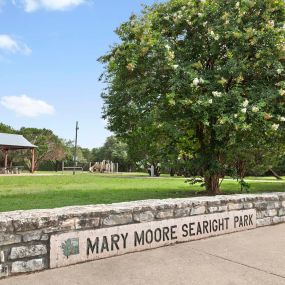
[10, 142]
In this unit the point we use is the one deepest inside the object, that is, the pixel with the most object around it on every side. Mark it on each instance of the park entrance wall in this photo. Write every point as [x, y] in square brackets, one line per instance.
[41, 239]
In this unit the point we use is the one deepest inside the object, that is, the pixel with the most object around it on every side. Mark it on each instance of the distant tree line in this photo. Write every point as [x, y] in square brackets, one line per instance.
[137, 154]
[52, 150]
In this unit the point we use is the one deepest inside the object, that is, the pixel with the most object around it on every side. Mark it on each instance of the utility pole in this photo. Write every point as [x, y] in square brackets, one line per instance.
[75, 148]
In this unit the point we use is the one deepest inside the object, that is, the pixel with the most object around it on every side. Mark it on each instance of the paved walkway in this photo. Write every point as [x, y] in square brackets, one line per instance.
[251, 257]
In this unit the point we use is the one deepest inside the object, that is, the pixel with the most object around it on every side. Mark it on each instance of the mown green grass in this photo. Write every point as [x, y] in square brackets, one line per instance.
[30, 192]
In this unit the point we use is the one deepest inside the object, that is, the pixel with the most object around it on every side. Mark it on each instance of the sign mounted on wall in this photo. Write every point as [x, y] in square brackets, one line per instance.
[74, 247]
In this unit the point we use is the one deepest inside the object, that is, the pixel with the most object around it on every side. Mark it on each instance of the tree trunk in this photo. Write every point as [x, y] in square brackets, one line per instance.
[156, 170]
[172, 172]
[241, 168]
[212, 184]
[275, 174]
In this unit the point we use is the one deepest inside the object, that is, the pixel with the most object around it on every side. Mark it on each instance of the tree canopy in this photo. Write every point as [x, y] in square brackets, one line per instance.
[208, 74]
[49, 146]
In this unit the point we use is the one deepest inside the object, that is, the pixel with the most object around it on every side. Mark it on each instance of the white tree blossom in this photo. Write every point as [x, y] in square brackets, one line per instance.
[245, 103]
[217, 94]
[196, 81]
[275, 127]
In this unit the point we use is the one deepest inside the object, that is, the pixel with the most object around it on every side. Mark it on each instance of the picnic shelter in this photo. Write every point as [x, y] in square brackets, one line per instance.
[11, 142]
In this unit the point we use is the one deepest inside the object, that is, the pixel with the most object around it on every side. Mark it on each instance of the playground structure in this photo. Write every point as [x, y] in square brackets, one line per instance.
[105, 167]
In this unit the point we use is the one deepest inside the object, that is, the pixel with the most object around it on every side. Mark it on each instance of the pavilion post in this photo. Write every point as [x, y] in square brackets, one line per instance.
[6, 158]
[33, 161]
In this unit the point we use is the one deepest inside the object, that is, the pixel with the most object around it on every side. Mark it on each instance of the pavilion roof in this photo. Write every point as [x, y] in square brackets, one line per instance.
[12, 141]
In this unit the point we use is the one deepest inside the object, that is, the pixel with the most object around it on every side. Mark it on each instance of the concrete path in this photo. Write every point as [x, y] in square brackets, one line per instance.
[251, 257]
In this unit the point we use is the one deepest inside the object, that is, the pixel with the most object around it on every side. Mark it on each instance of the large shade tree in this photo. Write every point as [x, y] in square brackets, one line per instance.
[212, 71]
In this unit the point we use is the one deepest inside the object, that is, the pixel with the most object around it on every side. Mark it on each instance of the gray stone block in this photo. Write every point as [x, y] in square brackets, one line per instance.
[247, 205]
[28, 224]
[270, 213]
[28, 266]
[6, 225]
[281, 196]
[260, 205]
[233, 207]
[2, 256]
[146, 216]
[166, 214]
[276, 220]
[184, 212]
[90, 223]
[44, 237]
[32, 236]
[27, 251]
[212, 209]
[68, 224]
[122, 219]
[198, 210]
[281, 212]
[222, 208]
[6, 239]
[4, 270]
[263, 222]
[260, 214]
[270, 197]
[273, 205]
[213, 202]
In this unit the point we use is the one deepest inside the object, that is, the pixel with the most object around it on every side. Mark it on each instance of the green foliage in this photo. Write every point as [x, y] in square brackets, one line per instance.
[244, 186]
[7, 129]
[49, 146]
[83, 155]
[51, 150]
[209, 75]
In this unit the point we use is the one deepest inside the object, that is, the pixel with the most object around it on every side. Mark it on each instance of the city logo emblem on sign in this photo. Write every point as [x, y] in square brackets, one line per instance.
[70, 247]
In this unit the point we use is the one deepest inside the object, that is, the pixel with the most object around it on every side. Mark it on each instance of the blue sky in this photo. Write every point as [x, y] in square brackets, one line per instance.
[48, 63]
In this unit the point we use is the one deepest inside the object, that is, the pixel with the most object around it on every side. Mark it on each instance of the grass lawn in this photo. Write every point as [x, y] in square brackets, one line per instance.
[51, 191]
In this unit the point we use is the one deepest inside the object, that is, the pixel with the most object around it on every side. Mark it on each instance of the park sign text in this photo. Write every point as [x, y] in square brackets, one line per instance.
[74, 247]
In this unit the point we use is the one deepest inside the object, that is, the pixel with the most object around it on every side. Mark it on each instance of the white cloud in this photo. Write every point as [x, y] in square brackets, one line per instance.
[25, 106]
[10, 45]
[61, 5]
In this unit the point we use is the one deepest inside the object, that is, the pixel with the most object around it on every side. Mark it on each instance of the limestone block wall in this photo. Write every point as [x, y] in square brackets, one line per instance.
[25, 235]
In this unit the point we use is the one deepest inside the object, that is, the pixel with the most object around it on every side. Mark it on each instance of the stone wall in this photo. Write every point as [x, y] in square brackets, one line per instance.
[25, 235]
